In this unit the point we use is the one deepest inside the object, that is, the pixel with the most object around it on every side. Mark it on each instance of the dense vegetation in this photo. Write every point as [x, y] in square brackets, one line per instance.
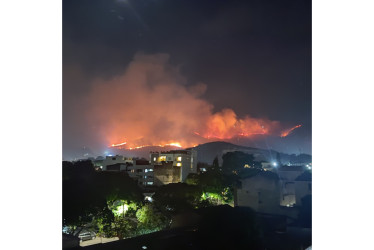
[110, 203]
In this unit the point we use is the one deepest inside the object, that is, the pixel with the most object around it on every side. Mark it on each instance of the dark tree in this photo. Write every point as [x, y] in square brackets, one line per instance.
[215, 164]
[176, 197]
[150, 219]
[83, 170]
[192, 179]
[80, 202]
[117, 186]
[233, 162]
[86, 193]
[218, 184]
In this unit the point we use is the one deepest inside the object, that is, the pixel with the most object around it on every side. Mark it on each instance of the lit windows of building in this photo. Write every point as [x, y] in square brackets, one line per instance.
[179, 159]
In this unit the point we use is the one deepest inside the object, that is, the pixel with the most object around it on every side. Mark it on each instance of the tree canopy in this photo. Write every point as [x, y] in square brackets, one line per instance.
[177, 196]
[234, 162]
[86, 193]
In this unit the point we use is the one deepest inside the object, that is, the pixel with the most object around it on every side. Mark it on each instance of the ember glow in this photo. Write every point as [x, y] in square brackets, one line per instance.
[119, 144]
[151, 104]
[173, 144]
[288, 131]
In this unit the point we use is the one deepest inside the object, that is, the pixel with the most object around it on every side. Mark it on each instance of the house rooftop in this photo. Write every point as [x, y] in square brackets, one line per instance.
[173, 152]
[306, 176]
[291, 168]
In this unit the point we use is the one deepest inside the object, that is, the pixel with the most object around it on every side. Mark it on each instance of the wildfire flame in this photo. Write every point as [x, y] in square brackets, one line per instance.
[288, 131]
[207, 136]
[118, 145]
[172, 144]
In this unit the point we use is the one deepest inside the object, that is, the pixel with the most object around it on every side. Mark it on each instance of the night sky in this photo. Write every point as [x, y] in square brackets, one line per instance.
[253, 57]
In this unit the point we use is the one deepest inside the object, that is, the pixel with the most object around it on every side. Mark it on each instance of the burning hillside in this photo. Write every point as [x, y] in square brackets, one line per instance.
[151, 104]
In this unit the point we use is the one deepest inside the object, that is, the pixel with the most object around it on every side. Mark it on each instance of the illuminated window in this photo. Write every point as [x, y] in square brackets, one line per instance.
[179, 158]
[154, 158]
[179, 164]
[150, 183]
[162, 158]
[246, 166]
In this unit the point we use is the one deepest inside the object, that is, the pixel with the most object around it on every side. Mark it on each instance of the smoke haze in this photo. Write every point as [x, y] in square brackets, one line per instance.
[152, 104]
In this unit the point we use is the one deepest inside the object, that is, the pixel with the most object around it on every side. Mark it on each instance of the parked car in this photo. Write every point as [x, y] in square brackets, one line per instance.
[87, 236]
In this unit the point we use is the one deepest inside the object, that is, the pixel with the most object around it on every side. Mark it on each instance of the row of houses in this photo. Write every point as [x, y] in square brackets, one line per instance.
[271, 191]
[276, 191]
[163, 168]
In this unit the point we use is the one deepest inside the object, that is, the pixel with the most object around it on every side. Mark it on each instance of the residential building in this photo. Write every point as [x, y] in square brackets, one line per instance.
[303, 186]
[173, 166]
[112, 160]
[142, 171]
[138, 169]
[287, 179]
[259, 192]
[276, 193]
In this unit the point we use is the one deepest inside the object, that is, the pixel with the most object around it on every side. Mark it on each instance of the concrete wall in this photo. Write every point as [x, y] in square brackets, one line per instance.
[144, 174]
[259, 193]
[111, 160]
[166, 174]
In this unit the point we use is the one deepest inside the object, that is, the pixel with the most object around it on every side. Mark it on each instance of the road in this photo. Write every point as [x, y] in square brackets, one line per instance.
[97, 240]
